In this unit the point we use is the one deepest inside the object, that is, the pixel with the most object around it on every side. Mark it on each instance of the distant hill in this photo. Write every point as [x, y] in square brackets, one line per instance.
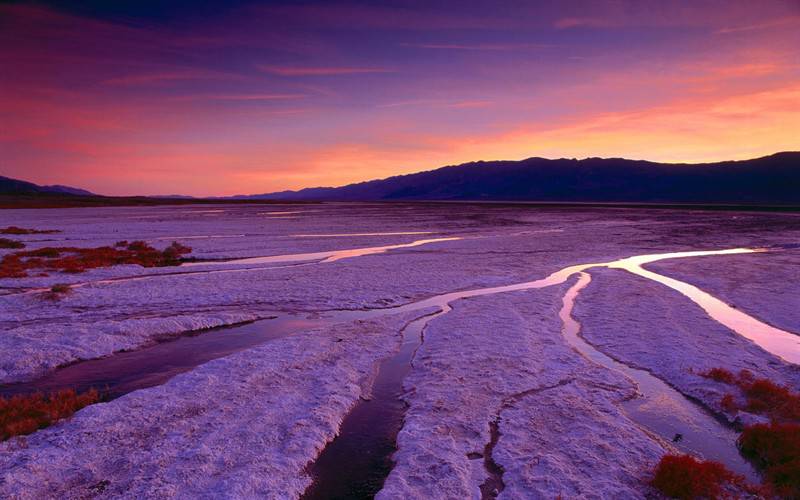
[771, 180]
[57, 188]
[15, 194]
[10, 186]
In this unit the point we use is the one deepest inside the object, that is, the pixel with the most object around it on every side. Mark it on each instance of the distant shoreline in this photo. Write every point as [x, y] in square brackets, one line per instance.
[17, 202]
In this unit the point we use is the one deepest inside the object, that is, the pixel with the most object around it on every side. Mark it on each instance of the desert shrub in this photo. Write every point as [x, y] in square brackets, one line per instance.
[15, 245]
[720, 375]
[24, 414]
[768, 398]
[47, 252]
[77, 260]
[728, 403]
[12, 266]
[684, 477]
[774, 448]
[21, 230]
[57, 291]
[762, 396]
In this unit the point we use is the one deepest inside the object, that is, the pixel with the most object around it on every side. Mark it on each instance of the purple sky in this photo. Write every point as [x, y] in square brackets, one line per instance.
[210, 98]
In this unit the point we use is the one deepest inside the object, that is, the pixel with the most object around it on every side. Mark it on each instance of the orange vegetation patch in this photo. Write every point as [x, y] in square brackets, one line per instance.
[775, 449]
[762, 396]
[78, 260]
[22, 230]
[683, 476]
[21, 415]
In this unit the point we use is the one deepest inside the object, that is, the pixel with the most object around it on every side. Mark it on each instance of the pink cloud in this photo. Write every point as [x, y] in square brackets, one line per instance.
[786, 21]
[155, 78]
[320, 70]
[578, 22]
[238, 97]
[479, 46]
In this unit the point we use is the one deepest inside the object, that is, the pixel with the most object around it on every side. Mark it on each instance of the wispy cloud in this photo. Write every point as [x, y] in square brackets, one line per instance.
[786, 21]
[579, 22]
[239, 97]
[479, 46]
[156, 78]
[439, 103]
[320, 70]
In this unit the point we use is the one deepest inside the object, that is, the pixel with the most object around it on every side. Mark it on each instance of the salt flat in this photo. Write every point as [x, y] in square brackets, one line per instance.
[498, 360]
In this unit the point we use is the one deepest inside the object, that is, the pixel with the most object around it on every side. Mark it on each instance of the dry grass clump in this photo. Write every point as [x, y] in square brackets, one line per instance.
[6, 243]
[684, 477]
[78, 260]
[24, 414]
[22, 230]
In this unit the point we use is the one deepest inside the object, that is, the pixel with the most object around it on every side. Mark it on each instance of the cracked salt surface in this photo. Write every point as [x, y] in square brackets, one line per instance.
[574, 440]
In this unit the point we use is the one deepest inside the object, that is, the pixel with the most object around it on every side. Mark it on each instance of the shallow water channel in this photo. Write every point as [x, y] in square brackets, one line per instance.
[357, 462]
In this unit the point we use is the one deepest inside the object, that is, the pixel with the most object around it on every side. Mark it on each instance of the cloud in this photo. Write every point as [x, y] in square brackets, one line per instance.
[759, 26]
[439, 103]
[155, 78]
[320, 70]
[239, 97]
[479, 46]
[578, 22]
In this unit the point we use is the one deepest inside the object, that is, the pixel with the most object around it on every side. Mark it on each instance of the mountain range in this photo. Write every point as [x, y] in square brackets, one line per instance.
[773, 179]
[16, 187]
[770, 180]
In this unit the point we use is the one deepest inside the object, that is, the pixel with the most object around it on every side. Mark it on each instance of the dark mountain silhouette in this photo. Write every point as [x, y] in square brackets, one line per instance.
[58, 188]
[771, 180]
[16, 187]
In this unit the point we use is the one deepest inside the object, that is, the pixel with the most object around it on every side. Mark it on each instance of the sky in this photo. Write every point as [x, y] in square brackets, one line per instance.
[240, 97]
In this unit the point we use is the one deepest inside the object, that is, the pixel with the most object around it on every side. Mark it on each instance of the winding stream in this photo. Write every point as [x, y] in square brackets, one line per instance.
[323, 257]
[357, 462]
[660, 408]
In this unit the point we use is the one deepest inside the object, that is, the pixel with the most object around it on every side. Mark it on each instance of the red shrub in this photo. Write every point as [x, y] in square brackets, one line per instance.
[21, 230]
[26, 414]
[77, 260]
[775, 449]
[683, 476]
[720, 375]
[728, 403]
[763, 396]
[768, 398]
[12, 244]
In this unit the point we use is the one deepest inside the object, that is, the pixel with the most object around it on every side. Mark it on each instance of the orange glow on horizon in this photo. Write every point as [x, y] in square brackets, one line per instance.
[211, 110]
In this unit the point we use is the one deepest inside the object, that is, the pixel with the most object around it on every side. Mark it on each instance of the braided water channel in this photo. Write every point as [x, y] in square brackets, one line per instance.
[369, 431]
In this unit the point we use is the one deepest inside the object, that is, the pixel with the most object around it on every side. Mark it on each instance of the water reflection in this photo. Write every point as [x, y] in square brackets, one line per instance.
[781, 343]
[328, 256]
[660, 408]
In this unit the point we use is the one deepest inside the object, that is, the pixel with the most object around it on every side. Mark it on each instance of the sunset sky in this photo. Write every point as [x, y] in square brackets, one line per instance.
[229, 97]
